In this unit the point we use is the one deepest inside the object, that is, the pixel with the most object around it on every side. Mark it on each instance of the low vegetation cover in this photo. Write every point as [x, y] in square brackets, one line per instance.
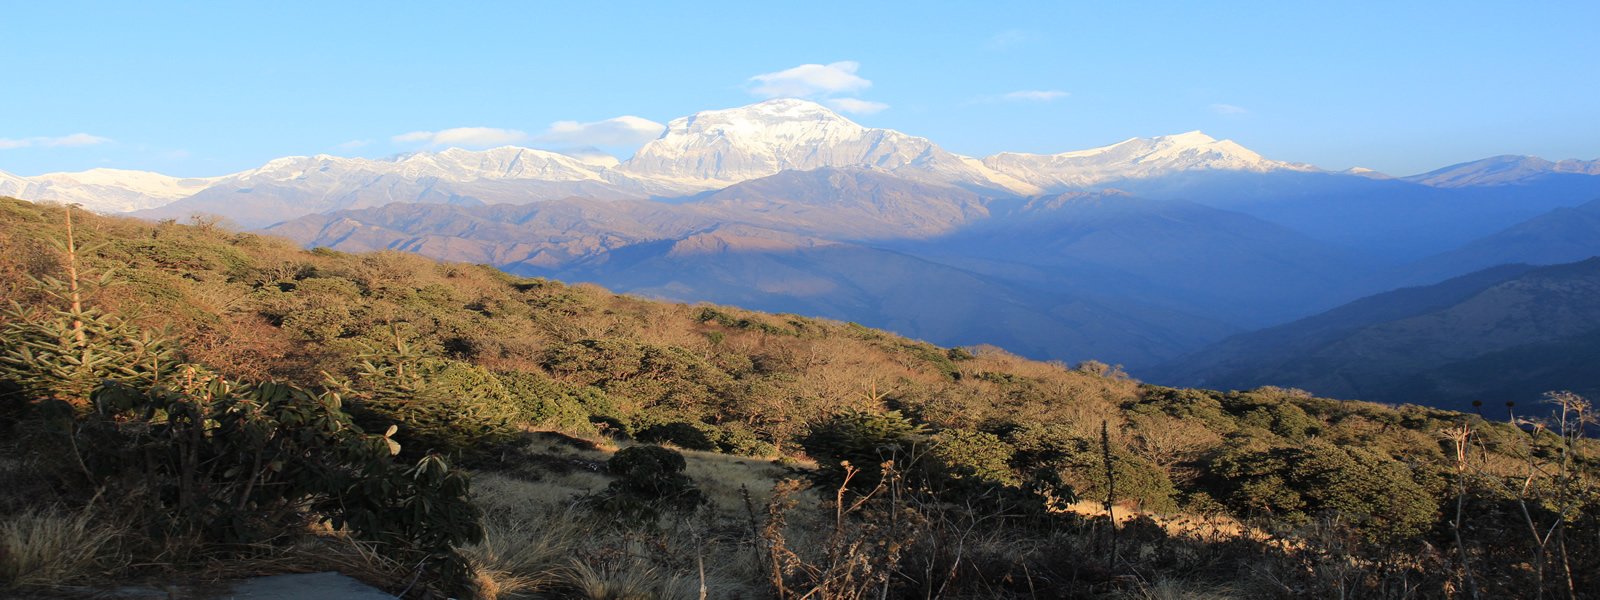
[180, 398]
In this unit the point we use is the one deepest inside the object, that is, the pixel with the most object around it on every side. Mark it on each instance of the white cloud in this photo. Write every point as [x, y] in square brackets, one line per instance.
[352, 144]
[626, 130]
[1228, 109]
[810, 80]
[1035, 95]
[856, 105]
[65, 141]
[463, 136]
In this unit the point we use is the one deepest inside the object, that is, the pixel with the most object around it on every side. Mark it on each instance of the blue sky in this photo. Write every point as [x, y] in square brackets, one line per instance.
[209, 88]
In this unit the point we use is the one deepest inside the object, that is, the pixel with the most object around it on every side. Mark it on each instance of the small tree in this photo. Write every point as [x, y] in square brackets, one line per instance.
[65, 350]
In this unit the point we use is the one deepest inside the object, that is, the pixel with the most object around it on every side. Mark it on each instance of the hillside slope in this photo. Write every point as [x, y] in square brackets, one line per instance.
[1215, 490]
[1562, 235]
[1104, 276]
[1505, 333]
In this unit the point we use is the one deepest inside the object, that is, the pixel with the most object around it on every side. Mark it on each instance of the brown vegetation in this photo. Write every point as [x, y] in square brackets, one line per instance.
[825, 459]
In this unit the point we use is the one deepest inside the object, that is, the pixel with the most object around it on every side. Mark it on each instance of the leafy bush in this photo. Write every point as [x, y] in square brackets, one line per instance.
[546, 402]
[1056, 456]
[683, 434]
[203, 459]
[439, 405]
[1271, 409]
[974, 455]
[1374, 492]
[650, 480]
[862, 440]
[648, 375]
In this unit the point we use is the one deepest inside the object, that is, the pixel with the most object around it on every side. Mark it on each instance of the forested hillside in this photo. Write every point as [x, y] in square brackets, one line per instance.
[197, 397]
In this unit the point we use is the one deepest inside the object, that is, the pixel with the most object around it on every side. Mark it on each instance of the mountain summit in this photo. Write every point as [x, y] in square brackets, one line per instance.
[718, 148]
[1134, 158]
[104, 190]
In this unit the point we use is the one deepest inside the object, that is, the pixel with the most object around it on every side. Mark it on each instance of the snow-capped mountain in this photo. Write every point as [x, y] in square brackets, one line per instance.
[453, 164]
[300, 185]
[1500, 170]
[104, 190]
[1136, 158]
[717, 148]
[709, 150]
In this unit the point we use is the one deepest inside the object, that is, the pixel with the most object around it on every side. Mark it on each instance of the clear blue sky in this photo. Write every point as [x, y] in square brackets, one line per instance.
[209, 88]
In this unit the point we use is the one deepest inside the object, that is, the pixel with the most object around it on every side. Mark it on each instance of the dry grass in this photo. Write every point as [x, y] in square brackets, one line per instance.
[52, 547]
[724, 479]
[541, 541]
[633, 579]
[524, 552]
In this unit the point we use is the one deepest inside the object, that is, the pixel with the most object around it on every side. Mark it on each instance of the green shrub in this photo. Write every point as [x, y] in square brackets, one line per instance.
[1056, 456]
[545, 402]
[1375, 493]
[202, 458]
[1273, 409]
[648, 375]
[974, 456]
[683, 434]
[649, 481]
[439, 405]
[864, 441]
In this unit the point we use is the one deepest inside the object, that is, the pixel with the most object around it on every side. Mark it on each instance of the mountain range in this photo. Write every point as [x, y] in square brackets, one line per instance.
[1149, 252]
[706, 151]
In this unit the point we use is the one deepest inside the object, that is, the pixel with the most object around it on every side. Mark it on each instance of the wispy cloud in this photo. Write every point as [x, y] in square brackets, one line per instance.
[1229, 109]
[352, 145]
[1035, 95]
[856, 105]
[65, 141]
[626, 130]
[463, 136]
[810, 80]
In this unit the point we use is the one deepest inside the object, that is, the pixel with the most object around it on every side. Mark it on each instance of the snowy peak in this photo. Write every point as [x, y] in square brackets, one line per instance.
[507, 162]
[718, 148]
[1502, 170]
[104, 190]
[453, 164]
[1134, 158]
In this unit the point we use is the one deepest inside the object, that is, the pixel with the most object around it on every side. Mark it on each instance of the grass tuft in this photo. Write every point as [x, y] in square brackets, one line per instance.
[46, 547]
